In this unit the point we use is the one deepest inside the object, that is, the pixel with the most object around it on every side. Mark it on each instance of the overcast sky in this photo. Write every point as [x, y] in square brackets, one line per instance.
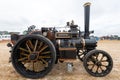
[17, 15]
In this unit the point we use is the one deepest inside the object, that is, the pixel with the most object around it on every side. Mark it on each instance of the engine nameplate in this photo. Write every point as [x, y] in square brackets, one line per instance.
[62, 35]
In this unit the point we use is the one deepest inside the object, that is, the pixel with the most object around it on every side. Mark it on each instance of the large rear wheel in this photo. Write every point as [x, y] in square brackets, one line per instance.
[33, 56]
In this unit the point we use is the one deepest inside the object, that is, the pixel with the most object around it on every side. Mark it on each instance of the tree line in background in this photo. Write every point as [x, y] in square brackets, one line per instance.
[4, 32]
[108, 37]
[111, 37]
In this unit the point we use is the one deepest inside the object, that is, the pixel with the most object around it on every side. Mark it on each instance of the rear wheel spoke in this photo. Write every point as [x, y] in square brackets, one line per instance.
[44, 57]
[24, 54]
[35, 45]
[22, 59]
[33, 66]
[28, 48]
[23, 49]
[41, 43]
[44, 47]
[46, 52]
[31, 45]
[26, 61]
[44, 61]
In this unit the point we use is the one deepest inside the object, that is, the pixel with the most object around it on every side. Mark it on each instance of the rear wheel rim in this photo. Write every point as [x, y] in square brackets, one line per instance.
[33, 57]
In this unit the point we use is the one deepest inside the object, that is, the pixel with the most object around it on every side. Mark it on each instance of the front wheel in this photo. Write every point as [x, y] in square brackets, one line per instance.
[98, 63]
[33, 56]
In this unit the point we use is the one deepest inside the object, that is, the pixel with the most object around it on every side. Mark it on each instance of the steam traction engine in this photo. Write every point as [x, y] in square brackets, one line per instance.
[33, 55]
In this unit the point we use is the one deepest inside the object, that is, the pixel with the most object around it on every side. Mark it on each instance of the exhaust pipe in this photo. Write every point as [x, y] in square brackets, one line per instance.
[86, 20]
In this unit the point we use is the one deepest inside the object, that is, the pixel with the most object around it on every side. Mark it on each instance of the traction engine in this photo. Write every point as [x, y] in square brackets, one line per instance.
[34, 54]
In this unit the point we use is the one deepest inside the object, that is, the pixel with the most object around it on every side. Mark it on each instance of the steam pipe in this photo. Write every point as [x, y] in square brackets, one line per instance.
[86, 21]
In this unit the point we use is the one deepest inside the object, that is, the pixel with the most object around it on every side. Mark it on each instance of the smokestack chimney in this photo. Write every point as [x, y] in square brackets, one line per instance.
[86, 20]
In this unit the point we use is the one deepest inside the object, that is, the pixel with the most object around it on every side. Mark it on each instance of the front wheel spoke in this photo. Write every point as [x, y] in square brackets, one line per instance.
[90, 64]
[101, 68]
[44, 47]
[22, 59]
[93, 66]
[23, 49]
[104, 65]
[97, 56]
[97, 68]
[101, 58]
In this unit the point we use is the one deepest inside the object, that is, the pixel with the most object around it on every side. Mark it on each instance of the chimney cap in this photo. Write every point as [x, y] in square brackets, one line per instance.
[87, 4]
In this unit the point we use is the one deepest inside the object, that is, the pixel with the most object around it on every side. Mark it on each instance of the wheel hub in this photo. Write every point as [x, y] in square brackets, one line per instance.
[33, 56]
[98, 63]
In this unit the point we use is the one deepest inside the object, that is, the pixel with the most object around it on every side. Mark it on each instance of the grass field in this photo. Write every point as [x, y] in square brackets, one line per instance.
[59, 72]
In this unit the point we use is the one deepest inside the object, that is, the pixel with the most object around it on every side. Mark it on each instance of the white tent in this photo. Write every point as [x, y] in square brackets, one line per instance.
[5, 37]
